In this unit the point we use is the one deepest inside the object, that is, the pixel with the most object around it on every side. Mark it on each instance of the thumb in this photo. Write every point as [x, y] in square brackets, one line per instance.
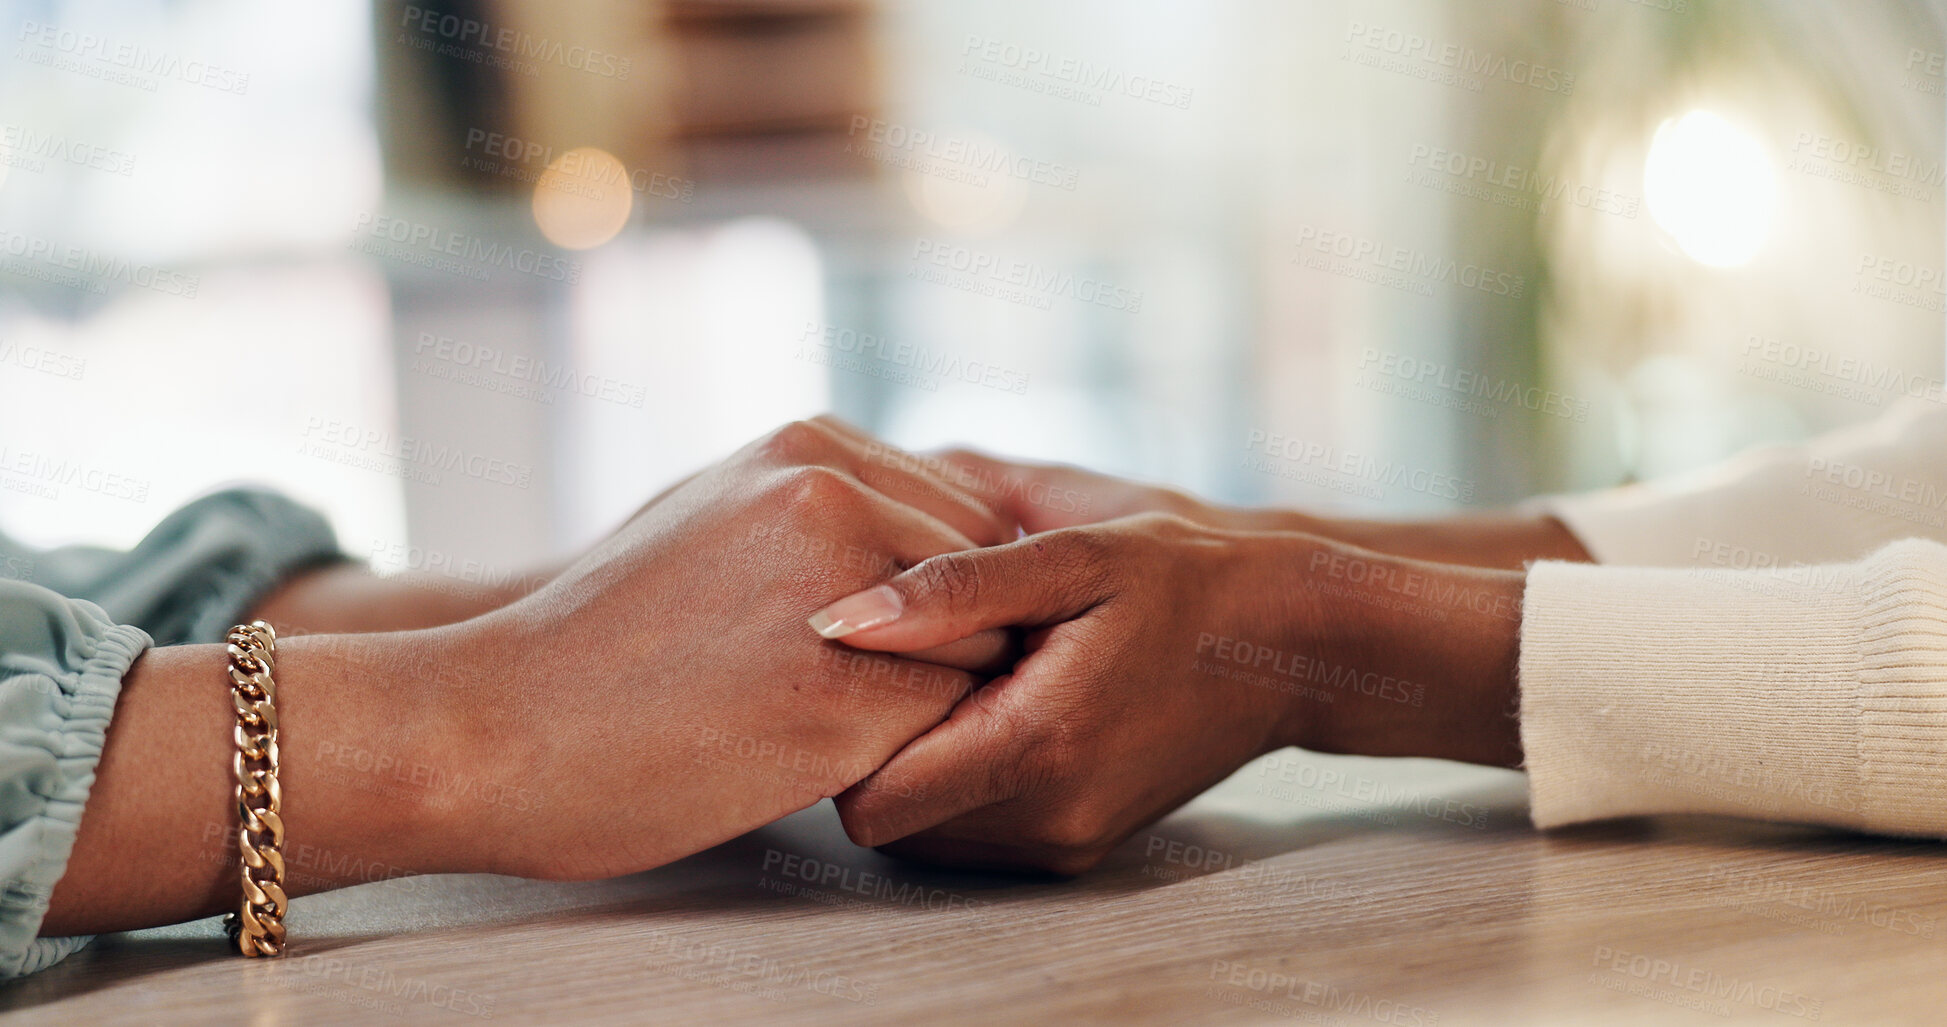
[1039, 580]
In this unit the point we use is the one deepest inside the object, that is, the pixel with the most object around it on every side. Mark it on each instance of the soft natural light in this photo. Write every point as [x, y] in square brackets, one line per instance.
[1711, 186]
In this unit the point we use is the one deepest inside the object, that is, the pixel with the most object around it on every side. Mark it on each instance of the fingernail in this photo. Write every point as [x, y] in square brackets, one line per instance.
[868, 609]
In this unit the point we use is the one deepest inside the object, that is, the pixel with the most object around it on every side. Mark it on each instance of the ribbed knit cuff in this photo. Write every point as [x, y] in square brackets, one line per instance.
[1702, 691]
[1903, 690]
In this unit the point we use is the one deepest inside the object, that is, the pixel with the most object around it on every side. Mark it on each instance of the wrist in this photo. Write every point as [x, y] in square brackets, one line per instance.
[382, 752]
[1427, 653]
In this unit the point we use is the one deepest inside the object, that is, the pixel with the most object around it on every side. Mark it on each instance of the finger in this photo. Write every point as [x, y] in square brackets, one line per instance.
[1038, 497]
[912, 538]
[918, 481]
[1036, 581]
[1002, 484]
[965, 763]
[894, 473]
[893, 697]
[834, 445]
[986, 652]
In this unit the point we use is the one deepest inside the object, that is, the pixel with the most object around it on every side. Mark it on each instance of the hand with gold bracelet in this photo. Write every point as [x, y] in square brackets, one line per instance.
[658, 697]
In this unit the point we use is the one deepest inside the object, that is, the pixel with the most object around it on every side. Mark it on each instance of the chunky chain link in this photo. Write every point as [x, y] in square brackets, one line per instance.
[258, 925]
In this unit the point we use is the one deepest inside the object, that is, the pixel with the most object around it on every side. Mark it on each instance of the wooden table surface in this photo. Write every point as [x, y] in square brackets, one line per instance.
[1306, 889]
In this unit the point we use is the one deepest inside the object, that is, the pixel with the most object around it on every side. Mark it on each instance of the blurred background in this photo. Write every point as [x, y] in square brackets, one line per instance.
[477, 278]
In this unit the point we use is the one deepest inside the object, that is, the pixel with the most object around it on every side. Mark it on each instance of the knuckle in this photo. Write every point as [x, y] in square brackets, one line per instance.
[798, 442]
[1087, 555]
[951, 579]
[1073, 833]
[817, 489]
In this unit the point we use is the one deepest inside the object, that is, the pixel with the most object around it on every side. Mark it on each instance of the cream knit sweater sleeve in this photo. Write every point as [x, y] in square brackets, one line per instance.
[1787, 663]
[1814, 694]
[1835, 498]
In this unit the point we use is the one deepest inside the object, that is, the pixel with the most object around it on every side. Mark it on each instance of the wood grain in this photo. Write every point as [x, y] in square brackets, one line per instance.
[1305, 889]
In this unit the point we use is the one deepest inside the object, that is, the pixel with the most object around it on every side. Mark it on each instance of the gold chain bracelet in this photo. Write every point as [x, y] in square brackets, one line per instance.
[257, 927]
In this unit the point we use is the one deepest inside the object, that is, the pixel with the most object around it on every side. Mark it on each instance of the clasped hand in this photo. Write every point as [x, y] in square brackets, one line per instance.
[980, 697]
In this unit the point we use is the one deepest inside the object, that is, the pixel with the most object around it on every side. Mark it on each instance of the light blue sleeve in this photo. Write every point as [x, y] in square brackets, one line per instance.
[72, 620]
[61, 667]
[196, 573]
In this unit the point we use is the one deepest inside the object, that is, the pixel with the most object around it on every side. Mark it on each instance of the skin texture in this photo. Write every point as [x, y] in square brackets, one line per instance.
[669, 664]
[1163, 654]
[1043, 497]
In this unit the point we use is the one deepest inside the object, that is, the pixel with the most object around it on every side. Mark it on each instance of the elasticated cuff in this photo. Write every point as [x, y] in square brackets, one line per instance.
[61, 667]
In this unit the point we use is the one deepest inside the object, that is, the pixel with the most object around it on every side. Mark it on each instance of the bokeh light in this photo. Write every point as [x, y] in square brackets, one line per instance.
[1710, 185]
[583, 198]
